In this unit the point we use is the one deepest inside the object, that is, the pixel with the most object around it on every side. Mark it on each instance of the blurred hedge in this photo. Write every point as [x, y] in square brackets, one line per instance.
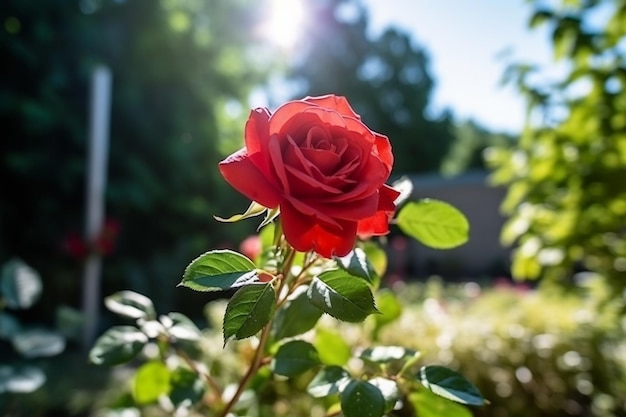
[531, 352]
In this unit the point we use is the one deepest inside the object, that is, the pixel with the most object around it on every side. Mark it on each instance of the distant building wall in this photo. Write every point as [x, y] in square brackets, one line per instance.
[482, 255]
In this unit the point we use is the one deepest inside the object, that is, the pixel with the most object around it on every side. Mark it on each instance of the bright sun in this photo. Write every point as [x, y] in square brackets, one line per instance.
[285, 22]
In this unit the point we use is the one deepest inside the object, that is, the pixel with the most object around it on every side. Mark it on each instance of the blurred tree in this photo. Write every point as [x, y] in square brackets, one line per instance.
[178, 66]
[386, 80]
[567, 177]
[471, 140]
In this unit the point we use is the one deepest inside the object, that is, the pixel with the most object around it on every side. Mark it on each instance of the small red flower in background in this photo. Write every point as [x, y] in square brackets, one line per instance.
[75, 245]
[104, 243]
[251, 246]
[324, 169]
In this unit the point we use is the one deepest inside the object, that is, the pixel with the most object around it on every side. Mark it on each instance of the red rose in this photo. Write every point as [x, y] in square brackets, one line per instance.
[323, 167]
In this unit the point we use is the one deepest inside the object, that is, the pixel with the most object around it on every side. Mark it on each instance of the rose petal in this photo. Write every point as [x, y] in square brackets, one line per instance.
[257, 130]
[310, 211]
[278, 164]
[382, 149]
[240, 172]
[349, 210]
[377, 225]
[338, 103]
[308, 186]
[325, 161]
[305, 233]
[387, 197]
[257, 138]
[280, 121]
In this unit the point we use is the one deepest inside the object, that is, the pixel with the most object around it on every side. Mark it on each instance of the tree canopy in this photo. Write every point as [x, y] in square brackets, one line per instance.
[386, 79]
[176, 66]
[567, 177]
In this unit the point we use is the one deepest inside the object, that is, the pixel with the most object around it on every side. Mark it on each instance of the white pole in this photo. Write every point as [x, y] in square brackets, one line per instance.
[97, 150]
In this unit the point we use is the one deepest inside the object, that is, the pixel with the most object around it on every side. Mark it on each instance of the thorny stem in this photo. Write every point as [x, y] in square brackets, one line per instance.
[252, 370]
[258, 361]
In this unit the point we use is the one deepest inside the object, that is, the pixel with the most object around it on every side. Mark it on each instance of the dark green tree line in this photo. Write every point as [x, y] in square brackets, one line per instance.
[175, 64]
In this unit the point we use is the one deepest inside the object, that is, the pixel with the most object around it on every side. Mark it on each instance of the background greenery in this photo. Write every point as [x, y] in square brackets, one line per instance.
[182, 74]
[183, 71]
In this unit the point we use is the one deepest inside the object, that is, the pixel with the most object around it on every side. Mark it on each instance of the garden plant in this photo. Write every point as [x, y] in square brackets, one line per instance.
[316, 175]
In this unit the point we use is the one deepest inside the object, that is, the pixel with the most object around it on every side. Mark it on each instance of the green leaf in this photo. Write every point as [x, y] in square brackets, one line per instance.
[386, 354]
[185, 385]
[297, 317]
[117, 345]
[389, 306]
[356, 263]
[428, 404]
[130, 304]
[434, 223]
[21, 379]
[182, 328]
[269, 217]
[450, 384]
[329, 380]
[389, 389]
[331, 347]
[362, 399]
[294, 358]
[540, 17]
[249, 310]
[342, 296]
[36, 343]
[9, 326]
[267, 235]
[151, 381]
[254, 209]
[376, 256]
[219, 270]
[20, 284]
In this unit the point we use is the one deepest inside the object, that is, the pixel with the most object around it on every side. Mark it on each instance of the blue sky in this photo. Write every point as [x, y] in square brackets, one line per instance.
[465, 39]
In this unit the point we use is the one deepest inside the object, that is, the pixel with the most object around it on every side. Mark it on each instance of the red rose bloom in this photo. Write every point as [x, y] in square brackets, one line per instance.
[323, 167]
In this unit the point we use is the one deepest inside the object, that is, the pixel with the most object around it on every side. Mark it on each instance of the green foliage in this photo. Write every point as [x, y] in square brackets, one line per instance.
[356, 264]
[434, 406]
[117, 345]
[360, 398]
[130, 304]
[341, 295]
[176, 66]
[219, 270]
[249, 311]
[331, 347]
[294, 358]
[450, 384]
[566, 197]
[545, 353]
[280, 295]
[328, 381]
[434, 223]
[151, 381]
[20, 284]
[471, 140]
[20, 288]
[298, 316]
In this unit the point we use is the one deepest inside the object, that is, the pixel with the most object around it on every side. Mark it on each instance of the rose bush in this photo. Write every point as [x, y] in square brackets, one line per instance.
[318, 173]
[322, 167]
